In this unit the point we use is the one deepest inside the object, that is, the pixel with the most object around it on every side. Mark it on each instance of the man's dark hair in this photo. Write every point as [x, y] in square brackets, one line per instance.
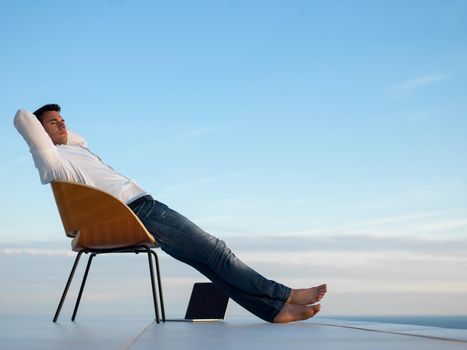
[46, 108]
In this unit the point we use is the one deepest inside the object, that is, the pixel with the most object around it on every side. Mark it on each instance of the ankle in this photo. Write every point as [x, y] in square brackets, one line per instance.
[291, 297]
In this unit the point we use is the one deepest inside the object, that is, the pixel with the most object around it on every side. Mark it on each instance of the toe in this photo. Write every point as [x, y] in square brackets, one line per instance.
[316, 309]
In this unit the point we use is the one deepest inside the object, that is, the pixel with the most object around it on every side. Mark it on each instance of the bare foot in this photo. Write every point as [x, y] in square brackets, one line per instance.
[290, 313]
[307, 296]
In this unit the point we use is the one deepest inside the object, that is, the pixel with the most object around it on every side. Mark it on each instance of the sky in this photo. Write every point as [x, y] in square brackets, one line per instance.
[324, 141]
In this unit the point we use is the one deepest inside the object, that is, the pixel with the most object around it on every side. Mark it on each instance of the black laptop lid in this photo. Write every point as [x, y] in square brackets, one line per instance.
[206, 302]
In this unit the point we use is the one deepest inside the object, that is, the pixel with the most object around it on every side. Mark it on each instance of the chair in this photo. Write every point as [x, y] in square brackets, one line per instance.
[99, 223]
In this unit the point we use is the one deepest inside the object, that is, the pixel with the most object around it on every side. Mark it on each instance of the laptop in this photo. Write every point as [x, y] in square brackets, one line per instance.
[207, 303]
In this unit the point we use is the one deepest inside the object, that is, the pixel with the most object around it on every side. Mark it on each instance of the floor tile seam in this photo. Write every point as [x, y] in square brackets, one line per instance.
[136, 338]
[396, 333]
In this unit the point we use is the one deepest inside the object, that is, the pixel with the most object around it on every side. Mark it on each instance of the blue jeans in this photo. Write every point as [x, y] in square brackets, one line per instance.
[186, 242]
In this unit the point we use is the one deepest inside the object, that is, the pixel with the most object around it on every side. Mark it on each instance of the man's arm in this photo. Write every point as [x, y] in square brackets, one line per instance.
[34, 134]
[32, 131]
[44, 152]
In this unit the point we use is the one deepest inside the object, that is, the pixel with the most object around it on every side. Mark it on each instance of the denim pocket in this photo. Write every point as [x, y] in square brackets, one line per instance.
[144, 210]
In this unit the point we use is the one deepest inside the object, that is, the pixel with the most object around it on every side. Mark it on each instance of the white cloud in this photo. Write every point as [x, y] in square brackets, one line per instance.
[392, 219]
[404, 88]
[353, 266]
[36, 251]
[422, 81]
[308, 200]
[415, 116]
[445, 225]
[199, 182]
[12, 163]
[399, 225]
[200, 132]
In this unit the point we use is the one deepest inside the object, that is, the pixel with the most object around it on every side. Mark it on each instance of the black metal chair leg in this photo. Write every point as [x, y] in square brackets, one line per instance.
[154, 297]
[82, 286]
[159, 283]
[70, 278]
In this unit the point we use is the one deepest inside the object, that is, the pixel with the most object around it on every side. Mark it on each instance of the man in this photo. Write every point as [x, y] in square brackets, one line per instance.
[62, 155]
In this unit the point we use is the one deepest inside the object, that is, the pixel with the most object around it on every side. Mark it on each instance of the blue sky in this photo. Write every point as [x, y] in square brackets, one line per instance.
[304, 121]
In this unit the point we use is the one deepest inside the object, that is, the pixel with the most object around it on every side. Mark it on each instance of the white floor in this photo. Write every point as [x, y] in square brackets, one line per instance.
[38, 332]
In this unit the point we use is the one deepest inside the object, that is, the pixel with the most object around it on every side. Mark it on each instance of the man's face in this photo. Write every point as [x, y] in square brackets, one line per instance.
[54, 125]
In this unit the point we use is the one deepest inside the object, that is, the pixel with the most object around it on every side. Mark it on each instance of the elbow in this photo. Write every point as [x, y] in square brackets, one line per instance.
[20, 115]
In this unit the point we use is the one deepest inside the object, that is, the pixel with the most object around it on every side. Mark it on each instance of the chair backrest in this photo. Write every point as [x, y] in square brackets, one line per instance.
[96, 219]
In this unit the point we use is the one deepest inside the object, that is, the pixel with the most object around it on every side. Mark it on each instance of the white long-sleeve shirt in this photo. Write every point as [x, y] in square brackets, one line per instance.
[73, 161]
